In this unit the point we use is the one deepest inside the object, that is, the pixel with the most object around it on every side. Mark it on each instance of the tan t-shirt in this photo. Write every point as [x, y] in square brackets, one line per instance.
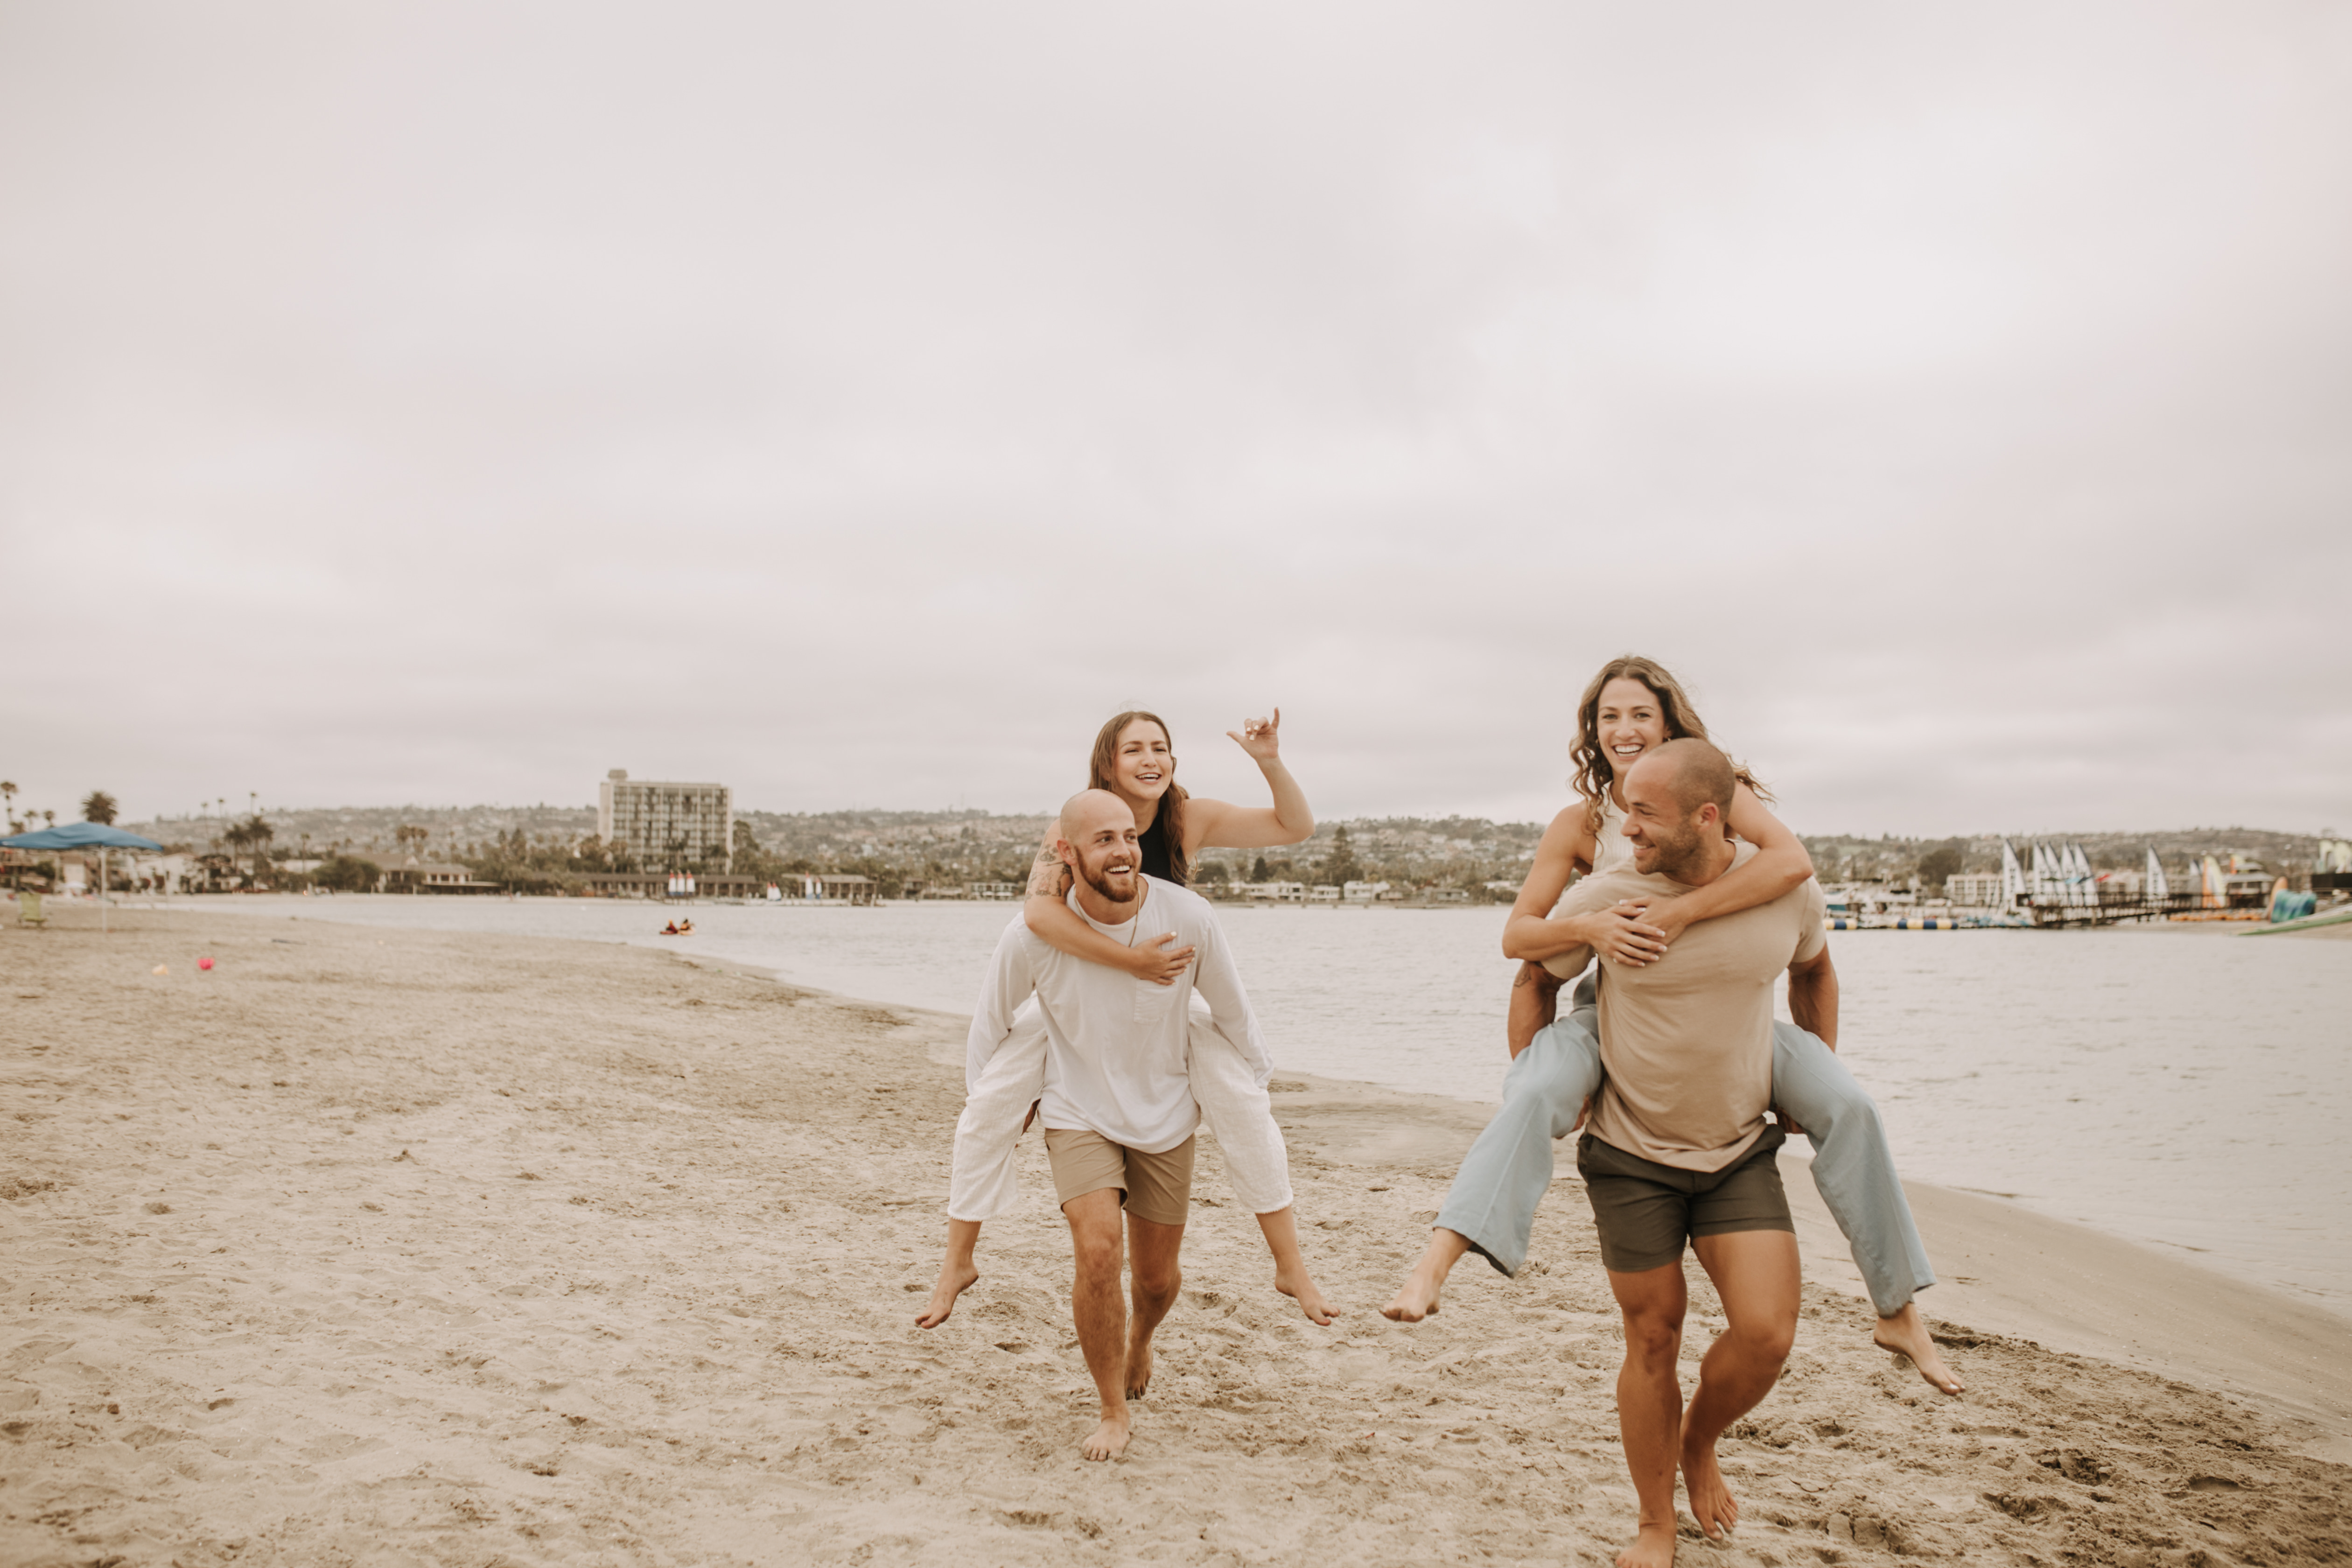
[1688, 1041]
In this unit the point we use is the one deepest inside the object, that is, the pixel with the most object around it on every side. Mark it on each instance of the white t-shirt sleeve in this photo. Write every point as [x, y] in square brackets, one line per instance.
[1012, 976]
[1218, 980]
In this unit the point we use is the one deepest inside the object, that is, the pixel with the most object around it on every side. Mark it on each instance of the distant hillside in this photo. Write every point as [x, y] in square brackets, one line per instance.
[972, 845]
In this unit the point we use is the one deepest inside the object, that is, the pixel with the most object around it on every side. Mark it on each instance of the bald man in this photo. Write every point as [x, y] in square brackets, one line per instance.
[1678, 1151]
[1118, 1108]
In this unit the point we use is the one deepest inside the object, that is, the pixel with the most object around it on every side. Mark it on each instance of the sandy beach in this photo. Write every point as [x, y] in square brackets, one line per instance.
[414, 1248]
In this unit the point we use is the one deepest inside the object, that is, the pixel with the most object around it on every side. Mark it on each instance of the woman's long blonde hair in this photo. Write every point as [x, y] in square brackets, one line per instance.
[1102, 770]
[1594, 773]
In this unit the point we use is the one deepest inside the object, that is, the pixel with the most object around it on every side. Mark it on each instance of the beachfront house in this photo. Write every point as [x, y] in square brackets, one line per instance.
[165, 873]
[830, 888]
[415, 876]
[407, 874]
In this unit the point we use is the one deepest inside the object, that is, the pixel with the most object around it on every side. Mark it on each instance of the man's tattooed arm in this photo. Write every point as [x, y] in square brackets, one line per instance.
[1048, 878]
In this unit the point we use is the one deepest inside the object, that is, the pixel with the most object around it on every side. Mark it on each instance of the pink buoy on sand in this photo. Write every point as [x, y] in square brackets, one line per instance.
[203, 964]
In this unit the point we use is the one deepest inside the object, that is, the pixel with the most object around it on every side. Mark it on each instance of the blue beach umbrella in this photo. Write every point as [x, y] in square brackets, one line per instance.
[97, 836]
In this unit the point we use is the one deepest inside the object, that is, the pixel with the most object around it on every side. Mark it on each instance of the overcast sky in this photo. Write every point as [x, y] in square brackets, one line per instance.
[855, 404]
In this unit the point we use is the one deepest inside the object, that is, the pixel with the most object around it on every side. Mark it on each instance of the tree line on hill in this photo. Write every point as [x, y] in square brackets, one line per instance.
[554, 849]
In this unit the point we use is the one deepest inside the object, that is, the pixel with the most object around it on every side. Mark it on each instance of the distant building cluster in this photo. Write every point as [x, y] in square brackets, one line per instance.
[639, 832]
[1974, 889]
[662, 822]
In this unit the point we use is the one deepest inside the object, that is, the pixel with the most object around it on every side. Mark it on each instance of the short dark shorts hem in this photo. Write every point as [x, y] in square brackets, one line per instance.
[1645, 1213]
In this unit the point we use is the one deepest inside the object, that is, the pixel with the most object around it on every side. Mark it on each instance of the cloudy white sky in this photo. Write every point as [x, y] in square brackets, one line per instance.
[855, 404]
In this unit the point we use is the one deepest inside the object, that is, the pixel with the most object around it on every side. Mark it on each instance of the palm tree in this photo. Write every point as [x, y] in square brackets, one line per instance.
[50, 817]
[258, 833]
[8, 802]
[99, 807]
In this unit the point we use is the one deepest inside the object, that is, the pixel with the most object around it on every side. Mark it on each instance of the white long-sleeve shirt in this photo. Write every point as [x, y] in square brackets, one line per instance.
[1114, 1046]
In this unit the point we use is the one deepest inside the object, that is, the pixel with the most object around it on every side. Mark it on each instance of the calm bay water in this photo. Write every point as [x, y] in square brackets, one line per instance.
[2182, 1088]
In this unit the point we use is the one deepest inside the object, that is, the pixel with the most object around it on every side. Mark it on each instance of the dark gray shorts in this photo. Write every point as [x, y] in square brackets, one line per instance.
[1645, 1211]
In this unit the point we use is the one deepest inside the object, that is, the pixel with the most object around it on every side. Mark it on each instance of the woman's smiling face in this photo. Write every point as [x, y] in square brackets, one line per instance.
[1145, 764]
[1628, 722]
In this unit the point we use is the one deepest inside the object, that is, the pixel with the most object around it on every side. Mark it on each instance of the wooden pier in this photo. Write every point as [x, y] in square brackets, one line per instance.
[2053, 910]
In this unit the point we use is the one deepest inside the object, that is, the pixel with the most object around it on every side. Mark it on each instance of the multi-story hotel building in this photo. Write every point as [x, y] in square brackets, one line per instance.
[663, 824]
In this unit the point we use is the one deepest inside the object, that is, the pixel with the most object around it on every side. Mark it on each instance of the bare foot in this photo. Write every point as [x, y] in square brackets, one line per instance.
[955, 1278]
[1108, 1441]
[1652, 1548]
[1307, 1294]
[1711, 1502]
[1906, 1334]
[1417, 1298]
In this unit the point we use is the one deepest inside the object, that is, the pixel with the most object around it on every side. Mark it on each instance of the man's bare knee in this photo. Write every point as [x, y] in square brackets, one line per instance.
[1653, 1332]
[1158, 1286]
[1095, 1236]
[1767, 1342]
[1097, 1256]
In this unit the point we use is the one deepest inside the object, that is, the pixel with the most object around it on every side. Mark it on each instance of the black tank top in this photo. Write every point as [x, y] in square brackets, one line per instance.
[1154, 846]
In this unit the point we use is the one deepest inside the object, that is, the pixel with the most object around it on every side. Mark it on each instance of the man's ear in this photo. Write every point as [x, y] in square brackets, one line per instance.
[1063, 847]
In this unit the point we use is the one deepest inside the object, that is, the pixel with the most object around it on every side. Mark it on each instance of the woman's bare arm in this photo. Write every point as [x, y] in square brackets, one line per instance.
[1619, 932]
[1221, 825]
[1527, 934]
[1052, 921]
[1533, 935]
[1780, 864]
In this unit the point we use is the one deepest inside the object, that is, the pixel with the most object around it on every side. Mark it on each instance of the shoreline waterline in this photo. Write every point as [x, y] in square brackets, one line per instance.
[2109, 1079]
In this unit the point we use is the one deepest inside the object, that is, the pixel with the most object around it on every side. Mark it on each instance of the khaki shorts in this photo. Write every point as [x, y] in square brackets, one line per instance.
[1157, 1187]
[1645, 1211]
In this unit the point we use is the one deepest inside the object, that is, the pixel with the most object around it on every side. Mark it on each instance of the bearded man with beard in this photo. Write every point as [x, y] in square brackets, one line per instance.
[1117, 1108]
[1678, 1152]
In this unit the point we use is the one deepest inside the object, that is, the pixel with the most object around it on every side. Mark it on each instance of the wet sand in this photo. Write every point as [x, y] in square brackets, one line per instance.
[377, 1247]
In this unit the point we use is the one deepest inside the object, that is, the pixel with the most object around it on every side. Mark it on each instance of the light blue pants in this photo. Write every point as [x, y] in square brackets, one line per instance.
[1492, 1204]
